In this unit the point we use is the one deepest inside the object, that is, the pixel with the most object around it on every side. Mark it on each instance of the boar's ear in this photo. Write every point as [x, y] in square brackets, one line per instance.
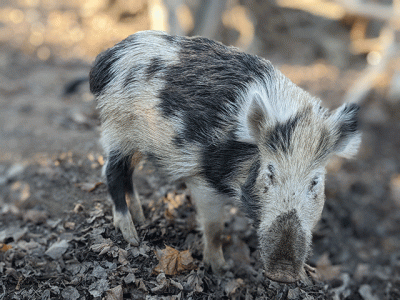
[256, 117]
[344, 125]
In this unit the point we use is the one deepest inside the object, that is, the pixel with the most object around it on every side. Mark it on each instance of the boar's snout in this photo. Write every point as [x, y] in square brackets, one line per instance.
[284, 247]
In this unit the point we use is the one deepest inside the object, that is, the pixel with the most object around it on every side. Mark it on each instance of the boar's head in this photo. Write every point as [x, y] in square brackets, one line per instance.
[284, 189]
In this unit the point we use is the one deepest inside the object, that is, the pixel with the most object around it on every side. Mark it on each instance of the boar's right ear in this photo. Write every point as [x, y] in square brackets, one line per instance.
[344, 125]
[256, 116]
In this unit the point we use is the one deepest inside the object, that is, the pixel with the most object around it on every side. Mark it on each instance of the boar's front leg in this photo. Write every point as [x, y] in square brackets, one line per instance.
[119, 181]
[210, 214]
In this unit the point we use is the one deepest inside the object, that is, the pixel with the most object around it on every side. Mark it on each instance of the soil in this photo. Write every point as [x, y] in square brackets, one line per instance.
[57, 240]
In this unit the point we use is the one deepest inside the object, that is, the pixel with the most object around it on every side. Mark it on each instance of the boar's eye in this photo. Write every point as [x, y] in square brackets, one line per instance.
[271, 175]
[313, 183]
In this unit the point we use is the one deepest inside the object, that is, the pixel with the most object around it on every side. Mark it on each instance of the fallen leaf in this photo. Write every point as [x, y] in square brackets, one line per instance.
[130, 278]
[102, 247]
[123, 256]
[195, 282]
[78, 208]
[57, 249]
[15, 233]
[141, 286]
[162, 283]
[172, 261]
[365, 292]
[176, 284]
[70, 293]
[69, 225]
[324, 269]
[4, 247]
[115, 293]
[97, 288]
[89, 186]
[233, 285]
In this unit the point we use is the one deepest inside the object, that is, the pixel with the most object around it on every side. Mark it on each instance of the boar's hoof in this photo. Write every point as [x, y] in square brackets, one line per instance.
[125, 224]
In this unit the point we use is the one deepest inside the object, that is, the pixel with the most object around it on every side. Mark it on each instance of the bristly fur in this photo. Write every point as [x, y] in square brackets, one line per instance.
[231, 125]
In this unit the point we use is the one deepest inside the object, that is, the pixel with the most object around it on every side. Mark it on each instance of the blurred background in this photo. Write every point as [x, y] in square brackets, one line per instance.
[338, 50]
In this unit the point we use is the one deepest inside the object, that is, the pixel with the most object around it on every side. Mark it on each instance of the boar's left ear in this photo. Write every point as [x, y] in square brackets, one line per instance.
[345, 132]
[257, 116]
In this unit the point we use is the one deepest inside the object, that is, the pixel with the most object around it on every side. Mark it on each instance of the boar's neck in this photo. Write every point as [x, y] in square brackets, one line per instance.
[231, 167]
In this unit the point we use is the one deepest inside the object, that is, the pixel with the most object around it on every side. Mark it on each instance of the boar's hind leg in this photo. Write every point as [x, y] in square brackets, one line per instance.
[119, 182]
[211, 217]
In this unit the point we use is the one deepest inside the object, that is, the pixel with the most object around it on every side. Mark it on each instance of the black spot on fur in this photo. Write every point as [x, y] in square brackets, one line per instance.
[220, 163]
[102, 72]
[280, 136]
[119, 179]
[349, 125]
[203, 88]
[156, 65]
[249, 199]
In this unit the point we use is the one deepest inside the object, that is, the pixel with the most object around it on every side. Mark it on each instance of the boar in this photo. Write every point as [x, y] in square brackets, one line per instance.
[233, 127]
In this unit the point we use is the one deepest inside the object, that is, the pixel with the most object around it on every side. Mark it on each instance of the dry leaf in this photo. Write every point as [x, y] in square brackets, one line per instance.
[57, 250]
[89, 186]
[115, 293]
[233, 285]
[102, 247]
[123, 256]
[324, 269]
[195, 282]
[4, 247]
[172, 261]
[78, 208]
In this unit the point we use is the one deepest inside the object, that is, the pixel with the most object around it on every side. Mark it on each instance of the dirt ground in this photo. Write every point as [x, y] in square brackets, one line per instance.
[57, 240]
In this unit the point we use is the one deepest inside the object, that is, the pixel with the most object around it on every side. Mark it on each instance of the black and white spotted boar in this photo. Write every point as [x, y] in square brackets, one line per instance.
[233, 127]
